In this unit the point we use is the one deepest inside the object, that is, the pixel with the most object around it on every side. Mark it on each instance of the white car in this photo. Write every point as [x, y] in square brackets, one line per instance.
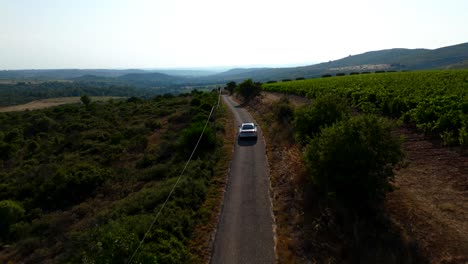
[248, 130]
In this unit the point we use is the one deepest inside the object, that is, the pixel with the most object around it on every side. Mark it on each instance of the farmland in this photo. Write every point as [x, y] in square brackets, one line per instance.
[50, 102]
[436, 102]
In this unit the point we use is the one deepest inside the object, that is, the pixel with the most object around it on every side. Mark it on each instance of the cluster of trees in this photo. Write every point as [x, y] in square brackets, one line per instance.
[82, 182]
[23, 92]
[350, 158]
[248, 89]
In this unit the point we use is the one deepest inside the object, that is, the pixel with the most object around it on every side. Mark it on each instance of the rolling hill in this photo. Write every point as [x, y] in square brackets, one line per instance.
[451, 57]
[392, 59]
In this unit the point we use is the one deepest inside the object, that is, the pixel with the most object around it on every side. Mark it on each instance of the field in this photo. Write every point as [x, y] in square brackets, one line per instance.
[424, 218]
[436, 102]
[45, 103]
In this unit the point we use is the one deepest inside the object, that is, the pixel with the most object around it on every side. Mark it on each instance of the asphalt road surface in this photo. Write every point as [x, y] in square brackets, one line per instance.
[245, 228]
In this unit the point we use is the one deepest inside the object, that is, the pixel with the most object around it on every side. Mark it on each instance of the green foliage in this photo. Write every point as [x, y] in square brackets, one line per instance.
[190, 138]
[116, 241]
[352, 160]
[91, 178]
[248, 89]
[70, 185]
[12, 94]
[231, 86]
[435, 101]
[10, 213]
[85, 99]
[324, 111]
[283, 111]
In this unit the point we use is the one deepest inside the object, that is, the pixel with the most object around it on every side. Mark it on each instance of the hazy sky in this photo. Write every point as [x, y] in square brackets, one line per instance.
[41, 34]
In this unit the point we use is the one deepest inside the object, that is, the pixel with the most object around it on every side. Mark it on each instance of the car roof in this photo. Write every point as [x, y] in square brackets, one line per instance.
[252, 124]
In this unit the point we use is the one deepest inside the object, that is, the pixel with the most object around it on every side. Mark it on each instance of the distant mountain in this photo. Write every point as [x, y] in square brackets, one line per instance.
[452, 57]
[187, 73]
[152, 79]
[62, 74]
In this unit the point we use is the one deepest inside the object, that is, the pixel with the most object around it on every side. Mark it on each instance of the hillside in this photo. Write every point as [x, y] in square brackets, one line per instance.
[82, 183]
[393, 59]
[451, 57]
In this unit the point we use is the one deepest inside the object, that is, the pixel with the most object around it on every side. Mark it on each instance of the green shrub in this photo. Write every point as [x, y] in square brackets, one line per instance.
[283, 111]
[195, 102]
[153, 124]
[463, 136]
[69, 185]
[10, 213]
[190, 138]
[248, 89]
[353, 159]
[324, 111]
[231, 86]
[448, 138]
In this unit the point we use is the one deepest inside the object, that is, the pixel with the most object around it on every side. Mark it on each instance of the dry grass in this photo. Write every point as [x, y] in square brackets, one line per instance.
[287, 174]
[45, 103]
[431, 200]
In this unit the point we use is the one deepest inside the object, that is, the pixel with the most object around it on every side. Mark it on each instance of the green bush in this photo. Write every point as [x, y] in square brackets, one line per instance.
[190, 138]
[324, 111]
[248, 89]
[231, 86]
[69, 185]
[10, 213]
[283, 111]
[352, 160]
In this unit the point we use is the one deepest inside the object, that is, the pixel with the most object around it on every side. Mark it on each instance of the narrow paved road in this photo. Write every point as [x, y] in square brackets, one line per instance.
[245, 229]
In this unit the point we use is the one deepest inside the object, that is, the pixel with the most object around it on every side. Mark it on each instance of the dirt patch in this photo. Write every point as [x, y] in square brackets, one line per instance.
[45, 103]
[430, 203]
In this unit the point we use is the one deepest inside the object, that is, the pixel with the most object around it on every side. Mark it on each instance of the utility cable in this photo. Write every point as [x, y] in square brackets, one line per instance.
[175, 184]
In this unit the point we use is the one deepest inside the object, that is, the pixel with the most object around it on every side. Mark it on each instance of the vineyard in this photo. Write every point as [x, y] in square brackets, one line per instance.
[435, 101]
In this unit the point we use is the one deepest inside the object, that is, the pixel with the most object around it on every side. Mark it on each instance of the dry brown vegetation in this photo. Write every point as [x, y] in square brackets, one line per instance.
[45, 103]
[424, 219]
[430, 203]
[287, 176]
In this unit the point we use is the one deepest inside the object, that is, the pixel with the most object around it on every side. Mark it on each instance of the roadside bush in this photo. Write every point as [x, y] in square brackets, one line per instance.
[352, 160]
[248, 89]
[283, 111]
[324, 111]
[231, 86]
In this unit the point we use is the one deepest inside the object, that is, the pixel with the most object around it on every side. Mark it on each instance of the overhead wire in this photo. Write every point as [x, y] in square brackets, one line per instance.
[177, 181]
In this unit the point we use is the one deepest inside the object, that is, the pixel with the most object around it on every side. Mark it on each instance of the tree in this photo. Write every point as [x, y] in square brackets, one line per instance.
[325, 110]
[231, 86]
[353, 160]
[85, 99]
[249, 89]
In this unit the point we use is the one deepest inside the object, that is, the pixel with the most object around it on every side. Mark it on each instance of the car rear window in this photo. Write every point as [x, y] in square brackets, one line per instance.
[247, 127]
